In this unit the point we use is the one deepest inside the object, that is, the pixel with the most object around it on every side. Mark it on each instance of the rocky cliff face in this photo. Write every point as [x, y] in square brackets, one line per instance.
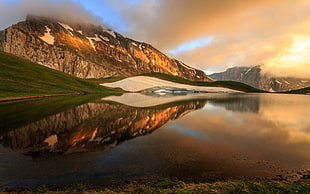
[88, 51]
[89, 127]
[253, 77]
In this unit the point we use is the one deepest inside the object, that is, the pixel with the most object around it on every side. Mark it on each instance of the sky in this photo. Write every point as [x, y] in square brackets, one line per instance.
[207, 34]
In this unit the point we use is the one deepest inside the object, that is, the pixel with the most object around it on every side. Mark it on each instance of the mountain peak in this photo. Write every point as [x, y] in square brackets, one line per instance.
[253, 76]
[87, 50]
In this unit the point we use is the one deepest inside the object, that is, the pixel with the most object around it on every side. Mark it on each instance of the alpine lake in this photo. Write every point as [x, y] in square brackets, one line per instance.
[114, 140]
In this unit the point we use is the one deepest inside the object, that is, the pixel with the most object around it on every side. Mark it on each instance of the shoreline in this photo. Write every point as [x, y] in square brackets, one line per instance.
[167, 185]
[9, 99]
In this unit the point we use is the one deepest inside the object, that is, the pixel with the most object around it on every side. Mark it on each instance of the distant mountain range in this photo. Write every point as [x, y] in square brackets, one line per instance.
[88, 51]
[254, 77]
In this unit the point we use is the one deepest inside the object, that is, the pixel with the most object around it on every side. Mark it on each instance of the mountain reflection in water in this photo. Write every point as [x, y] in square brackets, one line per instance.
[93, 125]
[203, 137]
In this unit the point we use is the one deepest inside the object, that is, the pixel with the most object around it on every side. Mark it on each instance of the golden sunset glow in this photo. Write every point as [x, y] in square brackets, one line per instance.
[296, 56]
[204, 34]
[155, 96]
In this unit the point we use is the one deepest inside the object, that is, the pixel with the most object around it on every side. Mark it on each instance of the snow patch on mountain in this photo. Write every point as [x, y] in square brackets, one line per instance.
[104, 38]
[48, 38]
[67, 27]
[271, 90]
[96, 38]
[139, 83]
[187, 67]
[248, 71]
[111, 32]
[91, 42]
[173, 73]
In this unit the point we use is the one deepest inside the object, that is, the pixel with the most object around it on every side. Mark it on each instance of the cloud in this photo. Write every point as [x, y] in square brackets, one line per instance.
[296, 57]
[139, 15]
[179, 21]
[14, 11]
[246, 32]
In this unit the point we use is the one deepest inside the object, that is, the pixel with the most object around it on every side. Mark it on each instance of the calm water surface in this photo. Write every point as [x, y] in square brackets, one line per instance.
[195, 138]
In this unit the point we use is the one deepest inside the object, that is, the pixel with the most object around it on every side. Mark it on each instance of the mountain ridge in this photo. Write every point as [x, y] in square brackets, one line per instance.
[88, 51]
[253, 76]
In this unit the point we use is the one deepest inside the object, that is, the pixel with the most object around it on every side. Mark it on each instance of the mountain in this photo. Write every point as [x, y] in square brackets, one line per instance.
[87, 50]
[254, 77]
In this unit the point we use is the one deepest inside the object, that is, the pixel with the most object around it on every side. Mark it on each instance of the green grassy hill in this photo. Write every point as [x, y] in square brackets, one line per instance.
[299, 91]
[20, 77]
[226, 84]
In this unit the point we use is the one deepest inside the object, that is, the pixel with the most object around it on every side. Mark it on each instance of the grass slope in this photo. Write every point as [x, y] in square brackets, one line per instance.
[299, 91]
[226, 84]
[106, 80]
[20, 77]
[168, 186]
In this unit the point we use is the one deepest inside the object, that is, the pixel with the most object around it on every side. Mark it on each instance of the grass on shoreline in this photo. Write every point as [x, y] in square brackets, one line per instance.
[299, 91]
[167, 185]
[20, 77]
[105, 80]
